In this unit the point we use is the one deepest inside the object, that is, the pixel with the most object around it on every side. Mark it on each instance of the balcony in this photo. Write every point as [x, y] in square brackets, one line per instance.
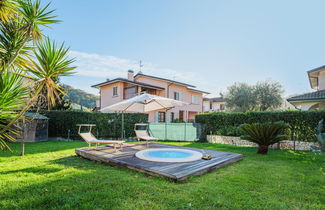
[132, 91]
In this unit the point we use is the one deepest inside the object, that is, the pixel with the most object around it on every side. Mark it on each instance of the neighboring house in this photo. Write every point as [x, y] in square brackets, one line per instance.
[313, 100]
[119, 89]
[216, 104]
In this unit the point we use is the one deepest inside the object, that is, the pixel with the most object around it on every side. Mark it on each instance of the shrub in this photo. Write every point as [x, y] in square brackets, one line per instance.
[177, 120]
[107, 124]
[229, 131]
[264, 134]
[302, 124]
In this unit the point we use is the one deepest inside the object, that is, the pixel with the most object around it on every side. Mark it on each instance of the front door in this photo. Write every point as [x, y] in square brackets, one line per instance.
[181, 115]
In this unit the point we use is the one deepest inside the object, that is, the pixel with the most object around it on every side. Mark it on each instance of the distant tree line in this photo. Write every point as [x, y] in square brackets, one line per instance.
[80, 97]
[73, 99]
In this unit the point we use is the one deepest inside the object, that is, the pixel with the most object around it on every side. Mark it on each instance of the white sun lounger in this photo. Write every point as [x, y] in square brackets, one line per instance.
[91, 139]
[143, 133]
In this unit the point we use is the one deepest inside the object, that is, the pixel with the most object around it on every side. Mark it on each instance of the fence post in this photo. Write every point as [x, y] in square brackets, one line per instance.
[185, 132]
[165, 130]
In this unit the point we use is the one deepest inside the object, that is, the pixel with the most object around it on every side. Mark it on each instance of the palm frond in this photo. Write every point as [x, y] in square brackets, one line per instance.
[12, 39]
[264, 133]
[12, 97]
[51, 62]
[34, 15]
[8, 10]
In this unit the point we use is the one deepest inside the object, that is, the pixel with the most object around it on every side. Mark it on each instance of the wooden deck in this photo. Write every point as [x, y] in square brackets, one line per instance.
[175, 171]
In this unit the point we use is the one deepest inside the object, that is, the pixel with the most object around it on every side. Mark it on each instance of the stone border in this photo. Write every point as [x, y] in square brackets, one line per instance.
[233, 140]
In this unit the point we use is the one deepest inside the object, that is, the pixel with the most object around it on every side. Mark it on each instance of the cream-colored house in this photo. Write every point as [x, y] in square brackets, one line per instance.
[216, 104]
[119, 89]
[313, 100]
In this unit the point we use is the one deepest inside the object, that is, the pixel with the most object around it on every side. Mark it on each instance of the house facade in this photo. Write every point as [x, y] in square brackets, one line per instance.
[313, 100]
[217, 104]
[119, 89]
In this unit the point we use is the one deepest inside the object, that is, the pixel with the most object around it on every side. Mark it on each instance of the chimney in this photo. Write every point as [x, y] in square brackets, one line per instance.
[130, 74]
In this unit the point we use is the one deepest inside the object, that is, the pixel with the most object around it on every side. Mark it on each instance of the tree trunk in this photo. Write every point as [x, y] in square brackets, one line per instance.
[22, 150]
[262, 149]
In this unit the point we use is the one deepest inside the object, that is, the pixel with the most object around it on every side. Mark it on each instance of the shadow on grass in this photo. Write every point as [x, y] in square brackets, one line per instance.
[35, 170]
[73, 161]
[96, 185]
[75, 191]
[41, 147]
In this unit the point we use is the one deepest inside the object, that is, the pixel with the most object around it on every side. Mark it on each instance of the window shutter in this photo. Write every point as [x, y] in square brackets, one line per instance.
[180, 96]
[168, 117]
[157, 117]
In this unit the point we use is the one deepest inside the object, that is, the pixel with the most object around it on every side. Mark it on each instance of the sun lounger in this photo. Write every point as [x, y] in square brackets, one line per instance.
[141, 131]
[91, 139]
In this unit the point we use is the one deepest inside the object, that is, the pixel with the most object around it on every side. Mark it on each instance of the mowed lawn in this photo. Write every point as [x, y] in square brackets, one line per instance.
[51, 176]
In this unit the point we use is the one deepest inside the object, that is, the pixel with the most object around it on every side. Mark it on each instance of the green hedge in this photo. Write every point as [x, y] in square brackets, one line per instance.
[107, 124]
[302, 123]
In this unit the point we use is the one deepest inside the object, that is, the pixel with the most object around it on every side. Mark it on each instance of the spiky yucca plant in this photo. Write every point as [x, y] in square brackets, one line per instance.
[12, 96]
[21, 47]
[264, 134]
[51, 63]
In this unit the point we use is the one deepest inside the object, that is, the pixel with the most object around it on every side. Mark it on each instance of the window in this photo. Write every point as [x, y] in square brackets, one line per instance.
[210, 105]
[172, 116]
[161, 117]
[176, 96]
[195, 99]
[115, 92]
[222, 107]
[181, 115]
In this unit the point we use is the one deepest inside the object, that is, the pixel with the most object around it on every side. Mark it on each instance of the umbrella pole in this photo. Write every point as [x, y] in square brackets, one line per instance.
[166, 125]
[122, 134]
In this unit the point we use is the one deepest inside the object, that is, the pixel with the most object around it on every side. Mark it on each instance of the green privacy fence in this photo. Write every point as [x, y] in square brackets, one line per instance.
[177, 131]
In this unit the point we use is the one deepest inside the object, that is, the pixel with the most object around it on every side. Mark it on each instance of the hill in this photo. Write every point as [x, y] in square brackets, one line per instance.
[80, 97]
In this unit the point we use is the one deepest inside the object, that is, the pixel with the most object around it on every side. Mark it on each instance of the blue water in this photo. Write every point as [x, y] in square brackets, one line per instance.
[168, 154]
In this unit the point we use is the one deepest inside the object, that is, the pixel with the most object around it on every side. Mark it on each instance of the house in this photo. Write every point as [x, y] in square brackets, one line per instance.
[217, 104]
[119, 89]
[313, 100]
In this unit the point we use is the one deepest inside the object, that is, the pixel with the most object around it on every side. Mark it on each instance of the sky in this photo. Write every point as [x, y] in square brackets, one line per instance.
[210, 44]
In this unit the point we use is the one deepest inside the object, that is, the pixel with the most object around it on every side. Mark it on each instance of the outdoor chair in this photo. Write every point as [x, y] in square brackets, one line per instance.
[91, 139]
[141, 131]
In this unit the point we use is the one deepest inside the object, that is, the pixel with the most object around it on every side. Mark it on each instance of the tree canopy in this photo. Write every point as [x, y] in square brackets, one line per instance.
[80, 97]
[263, 96]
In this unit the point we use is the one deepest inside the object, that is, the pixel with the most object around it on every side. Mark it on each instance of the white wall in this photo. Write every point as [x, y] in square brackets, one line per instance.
[321, 80]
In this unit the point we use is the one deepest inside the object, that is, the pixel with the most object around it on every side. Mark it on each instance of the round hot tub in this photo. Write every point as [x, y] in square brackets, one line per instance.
[169, 155]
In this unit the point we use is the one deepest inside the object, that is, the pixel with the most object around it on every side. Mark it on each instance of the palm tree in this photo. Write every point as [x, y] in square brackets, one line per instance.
[51, 63]
[19, 31]
[264, 134]
[20, 38]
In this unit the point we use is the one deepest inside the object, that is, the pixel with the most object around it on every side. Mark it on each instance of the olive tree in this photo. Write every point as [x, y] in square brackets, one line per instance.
[268, 95]
[263, 96]
[240, 97]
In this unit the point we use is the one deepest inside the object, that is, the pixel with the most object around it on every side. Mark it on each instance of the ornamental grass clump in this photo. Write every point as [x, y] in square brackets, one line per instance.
[264, 134]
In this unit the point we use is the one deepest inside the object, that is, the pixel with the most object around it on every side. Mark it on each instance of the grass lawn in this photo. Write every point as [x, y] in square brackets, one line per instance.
[50, 175]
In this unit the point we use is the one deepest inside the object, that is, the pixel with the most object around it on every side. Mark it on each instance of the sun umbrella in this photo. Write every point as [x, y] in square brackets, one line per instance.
[143, 104]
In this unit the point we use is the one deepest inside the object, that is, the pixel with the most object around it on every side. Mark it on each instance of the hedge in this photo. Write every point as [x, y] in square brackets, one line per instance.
[108, 125]
[303, 124]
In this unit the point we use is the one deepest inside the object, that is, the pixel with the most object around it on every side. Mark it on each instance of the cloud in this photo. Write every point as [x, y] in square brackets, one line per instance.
[101, 67]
